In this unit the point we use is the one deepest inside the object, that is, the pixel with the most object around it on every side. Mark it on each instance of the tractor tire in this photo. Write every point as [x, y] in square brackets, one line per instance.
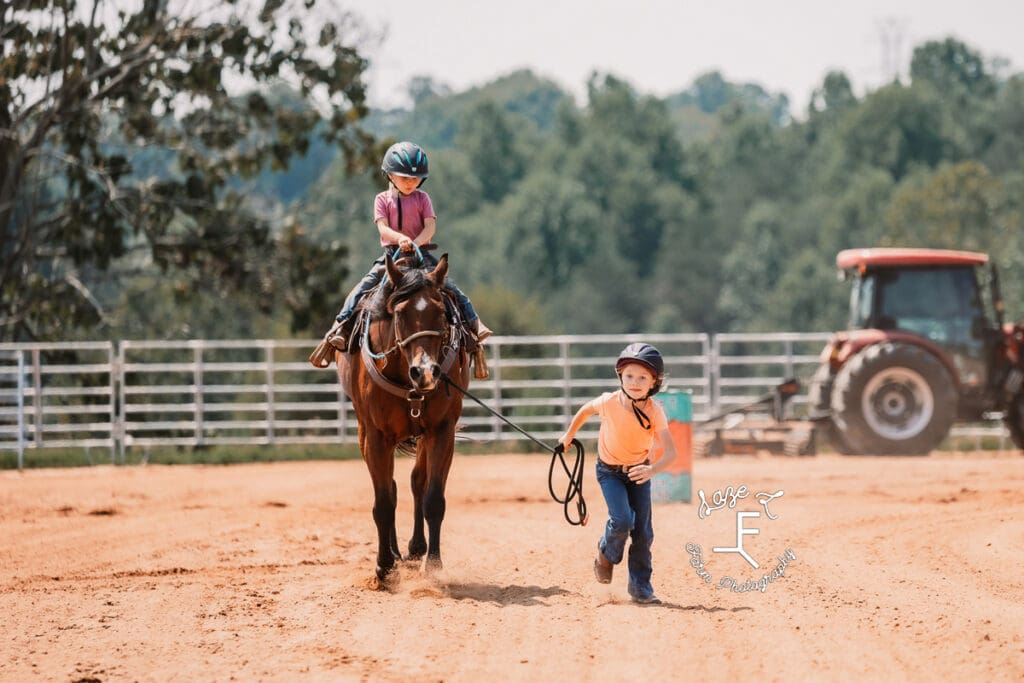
[819, 407]
[893, 399]
[819, 392]
[1014, 420]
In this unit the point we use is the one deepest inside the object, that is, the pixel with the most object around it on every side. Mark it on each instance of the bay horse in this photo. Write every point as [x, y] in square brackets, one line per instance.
[410, 340]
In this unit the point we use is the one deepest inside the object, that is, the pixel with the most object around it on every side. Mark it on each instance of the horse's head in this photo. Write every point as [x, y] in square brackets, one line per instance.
[417, 310]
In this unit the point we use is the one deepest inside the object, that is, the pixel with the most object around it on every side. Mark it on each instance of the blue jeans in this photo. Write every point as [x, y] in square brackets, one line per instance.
[376, 274]
[629, 514]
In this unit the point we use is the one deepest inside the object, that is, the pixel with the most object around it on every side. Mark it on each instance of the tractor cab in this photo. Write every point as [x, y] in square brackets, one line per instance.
[935, 295]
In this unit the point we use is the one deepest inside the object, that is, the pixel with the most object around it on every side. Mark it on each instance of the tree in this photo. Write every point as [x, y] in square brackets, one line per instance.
[1005, 121]
[420, 88]
[85, 87]
[710, 92]
[486, 136]
[834, 95]
[896, 128]
[545, 232]
[755, 262]
[953, 69]
[959, 206]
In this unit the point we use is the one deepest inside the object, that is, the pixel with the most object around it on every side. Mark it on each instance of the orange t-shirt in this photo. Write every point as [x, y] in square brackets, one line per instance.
[621, 440]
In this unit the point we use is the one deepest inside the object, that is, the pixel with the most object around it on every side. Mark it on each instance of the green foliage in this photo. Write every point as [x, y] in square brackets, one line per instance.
[83, 94]
[617, 217]
[953, 69]
[506, 310]
[710, 210]
[958, 206]
[1001, 129]
[897, 129]
[437, 115]
[710, 93]
[487, 139]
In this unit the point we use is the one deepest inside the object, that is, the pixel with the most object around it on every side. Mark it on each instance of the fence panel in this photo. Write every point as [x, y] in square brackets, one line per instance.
[12, 402]
[63, 396]
[202, 392]
[748, 366]
[140, 394]
[540, 382]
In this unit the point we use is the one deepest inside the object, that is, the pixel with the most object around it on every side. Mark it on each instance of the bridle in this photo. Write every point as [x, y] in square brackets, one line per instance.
[449, 349]
[398, 342]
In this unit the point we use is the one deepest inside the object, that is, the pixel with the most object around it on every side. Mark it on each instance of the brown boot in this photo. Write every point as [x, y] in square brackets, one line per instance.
[337, 340]
[333, 341]
[603, 567]
[481, 331]
[322, 355]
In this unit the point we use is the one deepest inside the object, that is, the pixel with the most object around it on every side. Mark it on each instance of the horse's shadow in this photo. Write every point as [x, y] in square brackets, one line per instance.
[528, 596]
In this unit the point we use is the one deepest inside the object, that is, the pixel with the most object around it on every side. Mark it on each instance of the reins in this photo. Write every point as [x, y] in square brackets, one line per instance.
[399, 343]
[574, 489]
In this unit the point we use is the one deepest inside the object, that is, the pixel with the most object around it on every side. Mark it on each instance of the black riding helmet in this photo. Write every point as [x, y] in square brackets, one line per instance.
[405, 159]
[645, 355]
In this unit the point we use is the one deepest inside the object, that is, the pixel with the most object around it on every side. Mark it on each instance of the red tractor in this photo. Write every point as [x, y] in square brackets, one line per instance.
[926, 346]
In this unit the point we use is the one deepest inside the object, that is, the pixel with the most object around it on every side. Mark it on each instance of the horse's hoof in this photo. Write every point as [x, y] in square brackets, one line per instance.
[416, 551]
[385, 579]
[433, 564]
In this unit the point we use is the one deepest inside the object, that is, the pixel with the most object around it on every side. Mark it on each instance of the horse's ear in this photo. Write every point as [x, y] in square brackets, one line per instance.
[439, 273]
[394, 274]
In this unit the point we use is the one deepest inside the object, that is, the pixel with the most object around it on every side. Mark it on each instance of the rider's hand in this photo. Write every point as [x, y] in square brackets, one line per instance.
[405, 244]
[565, 442]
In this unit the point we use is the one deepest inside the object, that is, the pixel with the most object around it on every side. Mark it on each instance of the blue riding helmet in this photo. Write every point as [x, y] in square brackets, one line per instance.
[405, 159]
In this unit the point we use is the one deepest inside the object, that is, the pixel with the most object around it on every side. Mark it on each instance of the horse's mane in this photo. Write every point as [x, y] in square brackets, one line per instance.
[389, 293]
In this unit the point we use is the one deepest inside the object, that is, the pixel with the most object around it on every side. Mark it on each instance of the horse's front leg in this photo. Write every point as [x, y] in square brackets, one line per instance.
[418, 542]
[439, 460]
[394, 530]
[379, 456]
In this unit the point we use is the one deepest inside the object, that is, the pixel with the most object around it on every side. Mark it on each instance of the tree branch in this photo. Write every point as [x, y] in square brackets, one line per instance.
[72, 280]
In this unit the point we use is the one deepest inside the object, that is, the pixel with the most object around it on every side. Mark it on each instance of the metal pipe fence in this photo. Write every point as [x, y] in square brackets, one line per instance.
[142, 394]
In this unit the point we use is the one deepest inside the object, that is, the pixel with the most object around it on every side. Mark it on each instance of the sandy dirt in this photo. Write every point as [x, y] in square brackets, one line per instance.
[904, 569]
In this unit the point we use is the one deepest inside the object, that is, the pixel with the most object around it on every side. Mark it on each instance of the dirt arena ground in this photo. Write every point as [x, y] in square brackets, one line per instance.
[892, 569]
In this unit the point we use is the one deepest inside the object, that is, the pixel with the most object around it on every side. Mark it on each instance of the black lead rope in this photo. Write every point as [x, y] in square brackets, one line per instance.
[574, 489]
[575, 486]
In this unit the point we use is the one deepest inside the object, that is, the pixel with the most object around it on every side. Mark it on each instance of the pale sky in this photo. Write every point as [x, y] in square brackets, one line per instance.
[660, 46]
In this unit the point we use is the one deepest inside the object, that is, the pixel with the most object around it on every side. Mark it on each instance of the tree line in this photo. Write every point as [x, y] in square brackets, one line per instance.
[710, 211]
[715, 209]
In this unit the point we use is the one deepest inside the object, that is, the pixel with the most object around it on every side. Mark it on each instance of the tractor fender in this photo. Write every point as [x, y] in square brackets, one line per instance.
[845, 345]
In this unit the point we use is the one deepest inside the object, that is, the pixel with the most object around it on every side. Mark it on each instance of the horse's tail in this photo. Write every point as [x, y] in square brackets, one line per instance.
[408, 447]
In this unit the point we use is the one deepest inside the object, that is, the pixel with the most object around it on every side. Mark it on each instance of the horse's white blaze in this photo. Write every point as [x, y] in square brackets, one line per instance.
[421, 304]
[425, 362]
